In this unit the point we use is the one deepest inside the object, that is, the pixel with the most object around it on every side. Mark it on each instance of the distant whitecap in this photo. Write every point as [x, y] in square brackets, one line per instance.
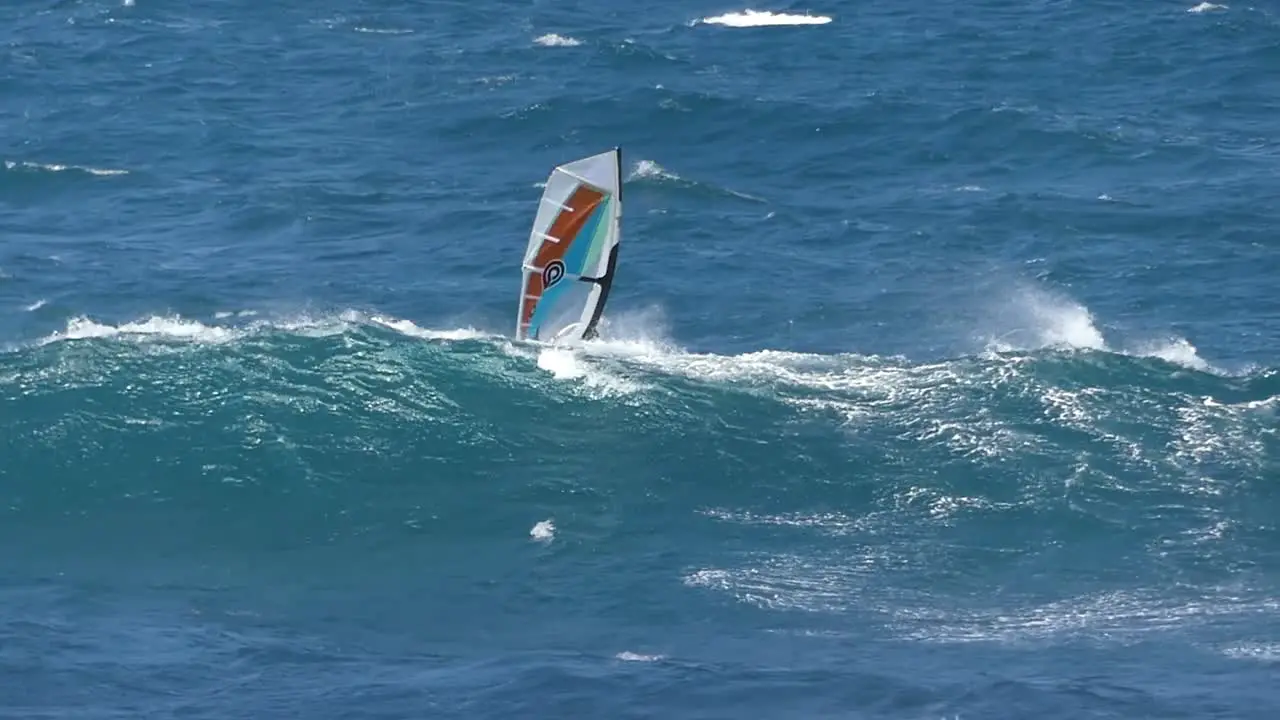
[764, 18]
[628, 656]
[554, 40]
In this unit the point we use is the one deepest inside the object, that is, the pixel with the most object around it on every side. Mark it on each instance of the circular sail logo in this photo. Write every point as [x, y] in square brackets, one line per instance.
[552, 273]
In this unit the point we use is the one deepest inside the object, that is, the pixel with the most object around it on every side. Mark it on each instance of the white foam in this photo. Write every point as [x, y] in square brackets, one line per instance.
[570, 364]
[1206, 7]
[408, 327]
[544, 531]
[827, 523]
[561, 363]
[859, 578]
[554, 40]
[36, 305]
[1209, 431]
[764, 18]
[789, 582]
[1265, 652]
[382, 31]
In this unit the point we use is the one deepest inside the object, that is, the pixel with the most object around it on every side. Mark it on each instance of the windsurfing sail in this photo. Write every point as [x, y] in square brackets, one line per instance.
[573, 250]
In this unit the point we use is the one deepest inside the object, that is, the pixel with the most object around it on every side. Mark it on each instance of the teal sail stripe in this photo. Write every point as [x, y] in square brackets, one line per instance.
[596, 234]
[576, 259]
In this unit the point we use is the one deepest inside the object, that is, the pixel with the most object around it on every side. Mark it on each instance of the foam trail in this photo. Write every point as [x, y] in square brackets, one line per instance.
[169, 328]
[53, 167]
[764, 18]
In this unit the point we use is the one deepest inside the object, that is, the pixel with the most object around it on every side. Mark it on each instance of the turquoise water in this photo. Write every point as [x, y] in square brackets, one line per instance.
[938, 379]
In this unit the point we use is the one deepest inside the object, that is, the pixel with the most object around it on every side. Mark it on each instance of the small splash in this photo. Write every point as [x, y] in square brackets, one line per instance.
[544, 531]
[764, 18]
[1206, 7]
[1047, 320]
[554, 40]
[36, 305]
[1177, 351]
[652, 170]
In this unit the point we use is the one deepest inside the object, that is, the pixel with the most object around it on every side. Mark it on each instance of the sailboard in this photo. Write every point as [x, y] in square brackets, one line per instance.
[572, 253]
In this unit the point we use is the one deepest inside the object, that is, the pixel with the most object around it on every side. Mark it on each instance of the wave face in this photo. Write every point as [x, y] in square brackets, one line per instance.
[939, 379]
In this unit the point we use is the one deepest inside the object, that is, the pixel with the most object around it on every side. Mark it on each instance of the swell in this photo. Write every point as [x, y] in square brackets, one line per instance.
[363, 429]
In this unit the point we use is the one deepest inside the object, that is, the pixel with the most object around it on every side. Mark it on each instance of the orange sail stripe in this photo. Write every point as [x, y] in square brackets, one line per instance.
[567, 224]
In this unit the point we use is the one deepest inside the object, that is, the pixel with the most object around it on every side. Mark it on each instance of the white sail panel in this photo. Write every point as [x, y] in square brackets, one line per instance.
[600, 170]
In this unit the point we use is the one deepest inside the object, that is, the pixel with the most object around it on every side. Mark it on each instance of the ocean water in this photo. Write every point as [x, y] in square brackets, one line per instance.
[939, 379]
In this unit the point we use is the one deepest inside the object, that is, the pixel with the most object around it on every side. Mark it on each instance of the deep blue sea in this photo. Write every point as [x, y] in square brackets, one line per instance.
[939, 379]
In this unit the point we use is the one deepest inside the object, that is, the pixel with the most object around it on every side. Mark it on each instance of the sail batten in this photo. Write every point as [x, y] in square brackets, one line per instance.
[572, 251]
